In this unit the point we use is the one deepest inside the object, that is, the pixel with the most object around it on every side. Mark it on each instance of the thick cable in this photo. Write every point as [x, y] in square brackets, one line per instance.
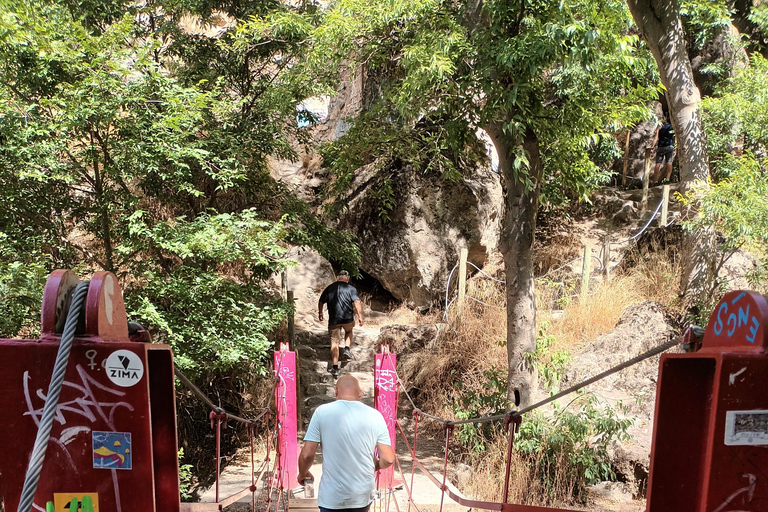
[496, 417]
[653, 216]
[574, 260]
[52, 400]
[448, 285]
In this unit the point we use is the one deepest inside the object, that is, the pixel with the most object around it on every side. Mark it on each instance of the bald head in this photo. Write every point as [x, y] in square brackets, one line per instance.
[348, 388]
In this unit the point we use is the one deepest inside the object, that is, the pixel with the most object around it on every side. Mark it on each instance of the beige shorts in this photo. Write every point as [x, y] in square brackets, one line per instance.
[334, 331]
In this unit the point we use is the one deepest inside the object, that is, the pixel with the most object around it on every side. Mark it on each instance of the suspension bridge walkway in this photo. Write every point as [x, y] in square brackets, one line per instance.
[90, 420]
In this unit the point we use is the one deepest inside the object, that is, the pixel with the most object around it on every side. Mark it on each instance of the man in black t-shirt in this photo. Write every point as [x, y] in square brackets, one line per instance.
[665, 151]
[342, 301]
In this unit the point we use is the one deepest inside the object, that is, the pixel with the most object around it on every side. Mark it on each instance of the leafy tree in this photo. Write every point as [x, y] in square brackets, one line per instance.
[662, 29]
[547, 81]
[120, 149]
[736, 204]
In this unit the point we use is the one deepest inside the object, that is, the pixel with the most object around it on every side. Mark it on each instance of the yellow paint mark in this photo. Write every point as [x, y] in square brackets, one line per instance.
[61, 500]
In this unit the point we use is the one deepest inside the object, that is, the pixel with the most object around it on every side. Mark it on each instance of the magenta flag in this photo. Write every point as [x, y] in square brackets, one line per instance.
[385, 398]
[285, 399]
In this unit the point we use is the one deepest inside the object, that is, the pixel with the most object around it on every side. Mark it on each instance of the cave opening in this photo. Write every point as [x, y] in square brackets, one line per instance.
[371, 291]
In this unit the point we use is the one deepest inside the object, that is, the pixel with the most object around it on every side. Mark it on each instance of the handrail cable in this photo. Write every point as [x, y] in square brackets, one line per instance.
[485, 419]
[204, 398]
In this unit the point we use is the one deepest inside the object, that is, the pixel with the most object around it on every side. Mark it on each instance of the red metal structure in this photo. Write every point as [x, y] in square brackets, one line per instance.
[710, 445]
[114, 433]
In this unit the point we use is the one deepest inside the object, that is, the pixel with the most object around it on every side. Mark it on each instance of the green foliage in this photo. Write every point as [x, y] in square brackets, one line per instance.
[549, 364]
[565, 445]
[128, 144]
[573, 446]
[547, 69]
[736, 203]
[490, 399]
[185, 478]
[705, 19]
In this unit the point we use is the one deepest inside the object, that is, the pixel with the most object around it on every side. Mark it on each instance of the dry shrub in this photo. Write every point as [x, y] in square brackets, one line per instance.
[472, 343]
[525, 487]
[583, 321]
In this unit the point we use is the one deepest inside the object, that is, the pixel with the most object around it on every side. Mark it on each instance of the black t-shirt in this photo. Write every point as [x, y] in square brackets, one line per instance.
[340, 297]
[666, 135]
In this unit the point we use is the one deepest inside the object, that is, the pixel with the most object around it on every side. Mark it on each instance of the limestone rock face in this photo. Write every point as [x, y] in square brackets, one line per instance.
[412, 248]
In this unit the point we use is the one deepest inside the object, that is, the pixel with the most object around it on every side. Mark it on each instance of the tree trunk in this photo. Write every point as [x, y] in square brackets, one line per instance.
[661, 28]
[516, 245]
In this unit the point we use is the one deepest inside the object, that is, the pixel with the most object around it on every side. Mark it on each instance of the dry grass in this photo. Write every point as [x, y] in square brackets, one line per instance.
[476, 344]
[525, 488]
[465, 349]
[656, 278]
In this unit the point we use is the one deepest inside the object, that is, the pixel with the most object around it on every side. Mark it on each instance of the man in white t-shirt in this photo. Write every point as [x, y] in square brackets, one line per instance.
[350, 432]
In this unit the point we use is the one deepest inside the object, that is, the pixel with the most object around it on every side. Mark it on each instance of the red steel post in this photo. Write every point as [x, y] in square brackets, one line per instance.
[512, 424]
[448, 431]
[710, 440]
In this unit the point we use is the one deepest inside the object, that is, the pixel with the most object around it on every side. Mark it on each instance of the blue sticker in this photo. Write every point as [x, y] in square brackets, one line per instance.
[112, 450]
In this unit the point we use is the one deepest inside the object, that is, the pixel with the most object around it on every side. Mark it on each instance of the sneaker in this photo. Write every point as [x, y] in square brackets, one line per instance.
[346, 355]
[335, 372]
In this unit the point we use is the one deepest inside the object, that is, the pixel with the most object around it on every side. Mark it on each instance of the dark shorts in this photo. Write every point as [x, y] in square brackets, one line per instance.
[665, 154]
[362, 509]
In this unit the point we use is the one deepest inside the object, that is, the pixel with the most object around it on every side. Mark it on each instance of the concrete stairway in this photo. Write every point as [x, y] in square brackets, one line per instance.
[317, 385]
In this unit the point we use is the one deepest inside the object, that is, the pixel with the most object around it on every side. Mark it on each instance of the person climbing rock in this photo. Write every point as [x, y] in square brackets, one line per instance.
[342, 301]
[665, 151]
[350, 432]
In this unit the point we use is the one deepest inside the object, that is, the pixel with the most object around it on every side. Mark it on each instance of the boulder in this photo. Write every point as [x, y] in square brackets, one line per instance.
[412, 248]
[311, 274]
[641, 327]
[407, 338]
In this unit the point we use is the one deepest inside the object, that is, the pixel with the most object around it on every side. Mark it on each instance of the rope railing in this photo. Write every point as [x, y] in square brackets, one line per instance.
[220, 415]
[204, 398]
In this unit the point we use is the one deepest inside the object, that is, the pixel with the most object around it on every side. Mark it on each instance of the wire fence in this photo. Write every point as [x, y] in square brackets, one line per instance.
[599, 258]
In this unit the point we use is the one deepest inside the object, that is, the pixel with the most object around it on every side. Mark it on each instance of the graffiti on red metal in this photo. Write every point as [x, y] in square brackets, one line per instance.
[746, 493]
[83, 404]
[729, 319]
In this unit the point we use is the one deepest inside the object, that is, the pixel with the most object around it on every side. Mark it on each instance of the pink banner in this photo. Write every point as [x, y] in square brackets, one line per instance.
[285, 398]
[385, 398]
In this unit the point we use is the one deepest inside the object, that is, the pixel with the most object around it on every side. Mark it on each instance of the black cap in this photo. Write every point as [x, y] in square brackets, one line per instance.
[343, 273]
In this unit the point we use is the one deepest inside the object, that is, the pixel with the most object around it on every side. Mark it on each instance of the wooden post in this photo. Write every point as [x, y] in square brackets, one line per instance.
[463, 254]
[606, 254]
[291, 330]
[585, 271]
[646, 178]
[664, 206]
[284, 284]
[626, 162]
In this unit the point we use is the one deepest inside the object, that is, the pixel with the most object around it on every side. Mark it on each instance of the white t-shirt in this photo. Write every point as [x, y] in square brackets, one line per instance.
[348, 432]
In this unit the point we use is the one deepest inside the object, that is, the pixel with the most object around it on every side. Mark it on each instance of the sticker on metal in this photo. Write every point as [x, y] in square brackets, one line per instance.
[112, 450]
[746, 428]
[124, 368]
[86, 501]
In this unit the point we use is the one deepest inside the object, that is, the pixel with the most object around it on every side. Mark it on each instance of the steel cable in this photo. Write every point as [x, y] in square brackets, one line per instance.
[52, 400]
[485, 419]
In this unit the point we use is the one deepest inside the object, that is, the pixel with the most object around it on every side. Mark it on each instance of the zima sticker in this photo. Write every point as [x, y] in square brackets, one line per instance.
[112, 450]
[124, 368]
